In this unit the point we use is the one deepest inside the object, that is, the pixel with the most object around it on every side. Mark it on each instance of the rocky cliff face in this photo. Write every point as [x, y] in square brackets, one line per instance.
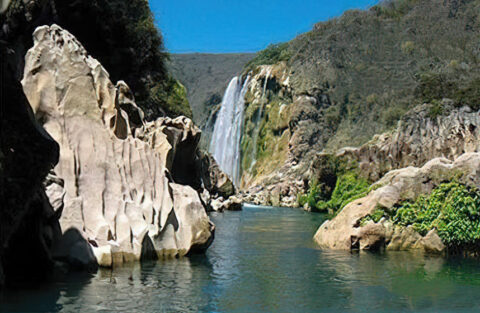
[418, 138]
[283, 131]
[116, 176]
[356, 76]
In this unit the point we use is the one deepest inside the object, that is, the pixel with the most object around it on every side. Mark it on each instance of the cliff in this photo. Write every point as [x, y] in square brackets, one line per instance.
[85, 177]
[114, 187]
[356, 76]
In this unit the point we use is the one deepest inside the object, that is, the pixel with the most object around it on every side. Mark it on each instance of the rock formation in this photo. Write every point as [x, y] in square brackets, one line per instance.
[418, 139]
[118, 178]
[345, 231]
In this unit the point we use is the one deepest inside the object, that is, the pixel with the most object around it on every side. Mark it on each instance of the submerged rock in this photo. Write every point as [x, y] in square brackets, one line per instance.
[231, 204]
[118, 171]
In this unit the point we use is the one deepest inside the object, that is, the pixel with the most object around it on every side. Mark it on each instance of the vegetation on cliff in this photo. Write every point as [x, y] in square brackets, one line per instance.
[273, 54]
[122, 35]
[348, 187]
[374, 65]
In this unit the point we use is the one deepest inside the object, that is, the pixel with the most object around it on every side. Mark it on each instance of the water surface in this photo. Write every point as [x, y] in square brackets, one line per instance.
[264, 260]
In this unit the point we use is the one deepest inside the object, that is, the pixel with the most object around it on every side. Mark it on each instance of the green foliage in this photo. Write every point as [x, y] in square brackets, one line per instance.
[348, 188]
[274, 53]
[312, 197]
[452, 208]
[172, 96]
[470, 95]
[333, 116]
[436, 109]
[434, 87]
[392, 115]
[394, 9]
[376, 216]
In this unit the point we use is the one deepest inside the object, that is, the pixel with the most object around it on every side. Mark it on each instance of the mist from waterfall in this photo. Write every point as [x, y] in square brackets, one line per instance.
[227, 133]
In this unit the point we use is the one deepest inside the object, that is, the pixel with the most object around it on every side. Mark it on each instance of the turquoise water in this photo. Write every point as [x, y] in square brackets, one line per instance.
[264, 260]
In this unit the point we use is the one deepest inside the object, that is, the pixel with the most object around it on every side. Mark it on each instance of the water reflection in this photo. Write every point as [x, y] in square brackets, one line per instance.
[264, 260]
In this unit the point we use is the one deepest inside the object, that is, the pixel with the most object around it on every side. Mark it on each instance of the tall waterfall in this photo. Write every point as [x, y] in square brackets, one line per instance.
[227, 133]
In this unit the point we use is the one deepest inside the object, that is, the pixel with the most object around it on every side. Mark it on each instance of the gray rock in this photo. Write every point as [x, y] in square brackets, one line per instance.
[116, 169]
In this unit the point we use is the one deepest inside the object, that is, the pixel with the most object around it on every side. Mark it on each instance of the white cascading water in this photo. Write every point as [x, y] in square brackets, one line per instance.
[227, 133]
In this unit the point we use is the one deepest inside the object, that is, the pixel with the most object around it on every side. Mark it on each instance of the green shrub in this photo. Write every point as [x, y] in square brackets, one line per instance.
[312, 196]
[273, 54]
[469, 95]
[172, 97]
[453, 209]
[349, 187]
[436, 109]
[376, 216]
[434, 86]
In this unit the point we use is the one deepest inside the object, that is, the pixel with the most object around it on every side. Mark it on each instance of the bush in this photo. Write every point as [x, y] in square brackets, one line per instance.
[452, 208]
[434, 86]
[273, 54]
[349, 187]
[436, 109]
[376, 216]
[470, 95]
[313, 195]
[172, 97]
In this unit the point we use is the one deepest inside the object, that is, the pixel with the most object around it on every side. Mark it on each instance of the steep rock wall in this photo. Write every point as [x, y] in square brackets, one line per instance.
[118, 191]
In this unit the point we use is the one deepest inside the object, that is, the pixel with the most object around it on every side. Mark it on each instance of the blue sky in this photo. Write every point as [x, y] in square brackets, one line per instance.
[220, 26]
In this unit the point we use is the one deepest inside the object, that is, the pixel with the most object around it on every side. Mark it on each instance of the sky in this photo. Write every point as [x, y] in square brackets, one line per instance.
[225, 26]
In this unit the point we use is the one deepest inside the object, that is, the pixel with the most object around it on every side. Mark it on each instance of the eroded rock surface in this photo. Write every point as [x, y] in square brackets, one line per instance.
[118, 173]
[418, 139]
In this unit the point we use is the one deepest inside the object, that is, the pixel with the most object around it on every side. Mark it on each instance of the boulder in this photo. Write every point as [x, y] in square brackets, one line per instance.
[118, 171]
[345, 231]
[231, 204]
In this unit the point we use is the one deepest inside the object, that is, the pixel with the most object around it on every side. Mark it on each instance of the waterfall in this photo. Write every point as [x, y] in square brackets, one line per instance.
[227, 133]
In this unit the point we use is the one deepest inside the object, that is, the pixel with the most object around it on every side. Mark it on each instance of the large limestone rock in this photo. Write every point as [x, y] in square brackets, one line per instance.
[344, 232]
[116, 171]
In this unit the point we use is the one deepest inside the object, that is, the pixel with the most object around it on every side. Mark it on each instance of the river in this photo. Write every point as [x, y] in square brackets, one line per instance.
[264, 260]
